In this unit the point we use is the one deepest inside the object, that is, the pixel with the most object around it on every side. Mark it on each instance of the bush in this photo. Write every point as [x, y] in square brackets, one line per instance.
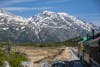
[16, 58]
[2, 57]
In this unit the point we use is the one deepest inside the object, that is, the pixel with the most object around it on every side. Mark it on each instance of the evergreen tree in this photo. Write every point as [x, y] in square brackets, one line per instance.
[8, 46]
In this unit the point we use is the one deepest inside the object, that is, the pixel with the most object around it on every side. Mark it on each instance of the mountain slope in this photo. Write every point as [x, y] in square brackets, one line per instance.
[11, 26]
[51, 26]
[45, 27]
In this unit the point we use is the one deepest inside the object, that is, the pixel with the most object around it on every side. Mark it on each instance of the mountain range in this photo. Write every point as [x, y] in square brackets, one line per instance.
[46, 26]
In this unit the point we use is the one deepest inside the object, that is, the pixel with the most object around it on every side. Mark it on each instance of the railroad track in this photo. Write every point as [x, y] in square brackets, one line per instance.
[73, 54]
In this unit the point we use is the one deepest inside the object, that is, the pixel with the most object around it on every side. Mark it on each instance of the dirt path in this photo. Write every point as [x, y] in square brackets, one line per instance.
[36, 55]
[65, 55]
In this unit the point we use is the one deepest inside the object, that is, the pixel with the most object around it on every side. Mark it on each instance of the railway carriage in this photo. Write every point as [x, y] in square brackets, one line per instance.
[89, 51]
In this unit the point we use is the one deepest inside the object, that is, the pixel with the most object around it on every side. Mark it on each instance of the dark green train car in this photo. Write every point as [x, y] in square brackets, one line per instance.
[89, 51]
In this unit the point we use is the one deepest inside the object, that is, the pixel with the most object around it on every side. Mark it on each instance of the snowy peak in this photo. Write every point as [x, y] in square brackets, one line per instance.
[55, 26]
[60, 19]
[48, 13]
[9, 16]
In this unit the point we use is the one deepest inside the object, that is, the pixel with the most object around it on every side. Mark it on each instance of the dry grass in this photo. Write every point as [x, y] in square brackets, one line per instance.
[42, 54]
[37, 54]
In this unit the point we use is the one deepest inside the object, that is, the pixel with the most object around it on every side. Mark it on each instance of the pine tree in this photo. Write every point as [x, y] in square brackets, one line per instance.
[8, 46]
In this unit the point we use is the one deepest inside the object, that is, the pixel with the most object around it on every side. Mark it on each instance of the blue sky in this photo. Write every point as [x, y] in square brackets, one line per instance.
[87, 10]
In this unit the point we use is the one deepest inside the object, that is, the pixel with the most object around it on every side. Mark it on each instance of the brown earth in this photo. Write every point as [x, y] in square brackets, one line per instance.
[49, 54]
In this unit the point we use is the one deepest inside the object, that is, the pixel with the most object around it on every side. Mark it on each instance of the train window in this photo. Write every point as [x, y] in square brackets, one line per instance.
[99, 42]
[99, 45]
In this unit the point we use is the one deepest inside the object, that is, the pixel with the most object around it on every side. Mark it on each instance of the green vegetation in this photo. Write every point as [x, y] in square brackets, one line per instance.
[14, 58]
[2, 57]
[58, 44]
[71, 42]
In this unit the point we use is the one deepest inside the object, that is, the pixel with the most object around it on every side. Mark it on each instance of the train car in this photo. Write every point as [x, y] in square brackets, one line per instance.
[89, 51]
[92, 51]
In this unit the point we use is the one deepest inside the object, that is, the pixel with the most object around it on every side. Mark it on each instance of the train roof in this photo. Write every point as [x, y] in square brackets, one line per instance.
[93, 40]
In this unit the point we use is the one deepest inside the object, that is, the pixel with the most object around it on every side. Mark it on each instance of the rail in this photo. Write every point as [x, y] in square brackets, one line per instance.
[73, 55]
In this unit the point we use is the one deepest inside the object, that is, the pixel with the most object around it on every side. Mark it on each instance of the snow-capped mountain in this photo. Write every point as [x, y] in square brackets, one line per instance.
[45, 27]
[7, 19]
[11, 26]
[52, 26]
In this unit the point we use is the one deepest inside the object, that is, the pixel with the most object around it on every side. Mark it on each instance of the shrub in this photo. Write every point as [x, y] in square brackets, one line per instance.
[2, 57]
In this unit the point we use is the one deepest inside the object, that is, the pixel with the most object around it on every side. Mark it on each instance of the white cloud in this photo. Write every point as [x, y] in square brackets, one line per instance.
[53, 1]
[11, 2]
[26, 8]
[58, 1]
